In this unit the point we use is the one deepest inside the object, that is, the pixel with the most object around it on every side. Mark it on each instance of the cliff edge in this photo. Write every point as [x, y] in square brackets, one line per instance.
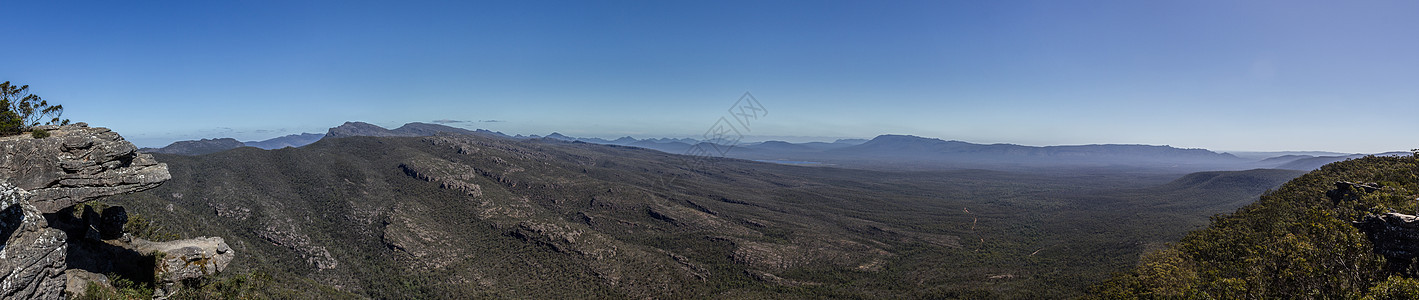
[46, 248]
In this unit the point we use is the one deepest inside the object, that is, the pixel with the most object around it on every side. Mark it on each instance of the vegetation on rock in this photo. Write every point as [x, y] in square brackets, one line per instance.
[1295, 242]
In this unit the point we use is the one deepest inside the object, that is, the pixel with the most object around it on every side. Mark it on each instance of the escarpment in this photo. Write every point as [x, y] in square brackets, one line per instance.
[48, 246]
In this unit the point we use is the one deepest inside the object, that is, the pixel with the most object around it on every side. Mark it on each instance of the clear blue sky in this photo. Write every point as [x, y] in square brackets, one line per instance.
[1226, 75]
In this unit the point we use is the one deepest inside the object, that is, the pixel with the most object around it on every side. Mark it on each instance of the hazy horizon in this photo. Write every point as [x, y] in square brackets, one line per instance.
[747, 139]
[1252, 76]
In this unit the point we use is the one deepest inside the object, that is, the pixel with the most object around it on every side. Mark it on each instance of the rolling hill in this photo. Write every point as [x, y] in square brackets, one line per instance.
[483, 215]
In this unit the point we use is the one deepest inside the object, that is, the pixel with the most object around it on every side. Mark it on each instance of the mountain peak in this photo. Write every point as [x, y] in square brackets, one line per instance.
[559, 136]
[358, 129]
[409, 129]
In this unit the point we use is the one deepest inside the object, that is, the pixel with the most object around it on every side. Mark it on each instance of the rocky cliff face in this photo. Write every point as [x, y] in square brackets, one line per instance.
[40, 178]
[32, 258]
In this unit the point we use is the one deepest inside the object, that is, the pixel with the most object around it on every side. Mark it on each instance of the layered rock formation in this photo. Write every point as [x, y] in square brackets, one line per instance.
[1396, 237]
[32, 258]
[76, 164]
[185, 259]
[41, 178]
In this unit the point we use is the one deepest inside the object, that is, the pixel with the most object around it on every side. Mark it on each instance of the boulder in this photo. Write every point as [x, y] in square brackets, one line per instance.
[184, 259]
[79, 281]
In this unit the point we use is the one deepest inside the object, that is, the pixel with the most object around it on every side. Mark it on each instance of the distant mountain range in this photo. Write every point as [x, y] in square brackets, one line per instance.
[294, 140]
[198, 147]
[883, 152]
[1308, 163]
[460, 216]
[411, 129]
[205, 146]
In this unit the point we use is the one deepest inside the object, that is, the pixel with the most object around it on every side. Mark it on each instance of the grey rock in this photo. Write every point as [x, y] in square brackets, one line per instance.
[1351, 191]
[190, 258]
[1396, 237]
[79, 281]
[32, 260]
[76, 164]
[73, 165]
[185, 259]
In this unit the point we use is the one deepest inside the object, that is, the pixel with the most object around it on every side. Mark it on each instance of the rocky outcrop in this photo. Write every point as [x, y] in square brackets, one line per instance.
[184, 259]
[1395, 236]
[46, 244]
[32, 258]
[287, 235]
[449, 176]
[1351, 191]
[79, 281]
[75, 164]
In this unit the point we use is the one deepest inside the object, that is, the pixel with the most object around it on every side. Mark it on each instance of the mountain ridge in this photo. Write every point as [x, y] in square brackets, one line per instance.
[887, 151]
[391, 217]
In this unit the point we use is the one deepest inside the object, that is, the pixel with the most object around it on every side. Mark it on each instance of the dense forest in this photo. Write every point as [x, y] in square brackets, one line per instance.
[1299, 241]
[483, 216]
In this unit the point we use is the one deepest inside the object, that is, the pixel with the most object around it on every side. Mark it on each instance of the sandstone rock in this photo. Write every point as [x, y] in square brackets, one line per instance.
[184, 259]
[79, 281]
[76, 164]
[32, 258]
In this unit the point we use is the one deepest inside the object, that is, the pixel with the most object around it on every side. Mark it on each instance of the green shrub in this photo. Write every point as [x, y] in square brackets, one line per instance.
[141, 227]
[122, 289]
[1395, 287]
[39, 133]
[20, 110]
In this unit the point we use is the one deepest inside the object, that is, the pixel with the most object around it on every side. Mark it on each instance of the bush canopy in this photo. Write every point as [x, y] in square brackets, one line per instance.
[20, 110]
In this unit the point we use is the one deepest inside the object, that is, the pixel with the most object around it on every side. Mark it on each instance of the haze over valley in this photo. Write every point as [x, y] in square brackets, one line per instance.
[709, 150]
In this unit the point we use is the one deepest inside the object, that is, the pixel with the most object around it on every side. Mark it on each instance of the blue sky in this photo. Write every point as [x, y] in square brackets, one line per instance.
[1225, 75]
